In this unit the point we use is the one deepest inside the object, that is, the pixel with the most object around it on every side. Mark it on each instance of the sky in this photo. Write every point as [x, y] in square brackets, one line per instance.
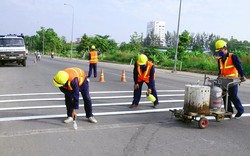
[121, 18]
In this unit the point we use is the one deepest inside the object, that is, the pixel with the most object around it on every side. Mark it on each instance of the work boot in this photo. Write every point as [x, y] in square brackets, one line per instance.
[68, 120]
[238, 116]
[133, 106]
[155, 106]
[92, 119]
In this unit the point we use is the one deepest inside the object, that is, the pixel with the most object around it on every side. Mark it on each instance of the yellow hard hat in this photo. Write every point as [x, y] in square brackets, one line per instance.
[151, 97]
[92, 47]
[60, 78]
[220, 44]
[142, 59]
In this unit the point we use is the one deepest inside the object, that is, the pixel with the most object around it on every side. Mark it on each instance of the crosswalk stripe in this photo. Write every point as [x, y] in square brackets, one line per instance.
[81, 105]
[93, 98]
[100, 114]
[96, 92]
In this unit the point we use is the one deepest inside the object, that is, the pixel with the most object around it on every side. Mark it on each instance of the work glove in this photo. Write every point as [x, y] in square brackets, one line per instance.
[149, 91]
[74, 114]
[218, 77]
[243, 78]
[136, 86]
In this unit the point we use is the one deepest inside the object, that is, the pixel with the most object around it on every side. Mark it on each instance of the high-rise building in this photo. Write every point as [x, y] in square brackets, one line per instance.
[158, 28]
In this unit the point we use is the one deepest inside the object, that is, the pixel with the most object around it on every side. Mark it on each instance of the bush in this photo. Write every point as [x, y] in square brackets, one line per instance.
[122, 57]
[201, 63]
[246, 65]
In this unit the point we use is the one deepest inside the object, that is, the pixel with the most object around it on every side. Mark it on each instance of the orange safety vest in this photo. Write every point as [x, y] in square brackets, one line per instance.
[227, 69]
[73, 73]
[144, 77]
[93, 57]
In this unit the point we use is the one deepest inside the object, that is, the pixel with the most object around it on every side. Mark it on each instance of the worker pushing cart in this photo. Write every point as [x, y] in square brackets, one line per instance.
[199, 100]
[230, 67]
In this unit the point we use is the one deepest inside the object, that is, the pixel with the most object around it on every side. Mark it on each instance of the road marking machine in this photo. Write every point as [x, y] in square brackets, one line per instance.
[206, 100]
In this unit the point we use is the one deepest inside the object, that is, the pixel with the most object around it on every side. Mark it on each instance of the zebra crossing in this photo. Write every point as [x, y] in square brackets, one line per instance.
[16, 107]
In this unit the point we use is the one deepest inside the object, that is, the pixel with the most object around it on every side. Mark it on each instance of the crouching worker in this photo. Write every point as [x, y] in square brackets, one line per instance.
[71, 81]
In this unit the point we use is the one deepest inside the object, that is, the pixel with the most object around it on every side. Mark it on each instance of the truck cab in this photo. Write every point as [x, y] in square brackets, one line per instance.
[12, 49]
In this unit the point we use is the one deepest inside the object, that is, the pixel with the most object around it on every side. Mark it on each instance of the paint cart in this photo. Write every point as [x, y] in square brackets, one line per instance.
[206, 100]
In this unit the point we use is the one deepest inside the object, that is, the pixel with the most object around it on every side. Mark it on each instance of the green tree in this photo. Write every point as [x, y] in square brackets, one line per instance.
[152, 40]
[84, 44]
[48, 40]
[184, 43]
[170, 39]
[105, 44]
[136, 42]
[102, 43]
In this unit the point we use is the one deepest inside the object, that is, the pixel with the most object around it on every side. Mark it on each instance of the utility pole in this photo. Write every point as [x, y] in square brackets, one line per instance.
[43, 42]
[177, 39]
[72, 31]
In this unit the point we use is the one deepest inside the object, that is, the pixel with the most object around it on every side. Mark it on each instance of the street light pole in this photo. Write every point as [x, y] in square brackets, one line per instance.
[43, 42]
[72, 31]
[177, 39]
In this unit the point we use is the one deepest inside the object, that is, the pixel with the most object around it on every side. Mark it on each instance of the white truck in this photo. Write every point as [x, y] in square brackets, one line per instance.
[12, 49]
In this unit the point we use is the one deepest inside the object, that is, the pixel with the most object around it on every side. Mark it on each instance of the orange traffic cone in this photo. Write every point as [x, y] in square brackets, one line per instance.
[123, 79]
[102, 76]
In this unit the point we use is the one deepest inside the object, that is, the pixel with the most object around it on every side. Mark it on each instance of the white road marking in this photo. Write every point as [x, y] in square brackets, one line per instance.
[81, 105]
[94, 105]
[100, 114]
[97, 92]
[83, 114]
[93, 98]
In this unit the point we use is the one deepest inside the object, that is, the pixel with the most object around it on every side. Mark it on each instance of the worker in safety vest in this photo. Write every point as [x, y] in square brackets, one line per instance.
[144, 71]
[230, 66]
[93, 60]
[71, 81]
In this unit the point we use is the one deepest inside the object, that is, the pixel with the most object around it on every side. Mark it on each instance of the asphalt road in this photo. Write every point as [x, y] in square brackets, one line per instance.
[32, 112]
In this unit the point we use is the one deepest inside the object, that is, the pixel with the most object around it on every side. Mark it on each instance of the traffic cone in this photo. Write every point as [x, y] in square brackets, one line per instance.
[102, 76]
[123, 78]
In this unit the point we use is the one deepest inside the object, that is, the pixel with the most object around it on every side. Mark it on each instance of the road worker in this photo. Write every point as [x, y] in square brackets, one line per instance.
[52, 54]
[230, 66]
[144, 71]
[93, 60]
[71, 81]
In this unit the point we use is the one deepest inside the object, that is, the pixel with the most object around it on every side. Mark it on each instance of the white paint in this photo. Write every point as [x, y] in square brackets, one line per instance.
[83, 114]
[97, 92]
[81, 105]
[93, 98]
[101, 114]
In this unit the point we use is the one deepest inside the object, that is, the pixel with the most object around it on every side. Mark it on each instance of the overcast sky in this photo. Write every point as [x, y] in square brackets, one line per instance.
[121, 18]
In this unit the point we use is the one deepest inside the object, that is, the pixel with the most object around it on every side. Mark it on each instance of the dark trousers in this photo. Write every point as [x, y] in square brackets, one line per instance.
[94, 67]
[233, 98]
[137, 94]
[84, 90]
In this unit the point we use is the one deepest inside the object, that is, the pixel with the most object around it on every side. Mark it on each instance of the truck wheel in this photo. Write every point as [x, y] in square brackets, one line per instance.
[202, 123]
[24, 63]
[2, 63]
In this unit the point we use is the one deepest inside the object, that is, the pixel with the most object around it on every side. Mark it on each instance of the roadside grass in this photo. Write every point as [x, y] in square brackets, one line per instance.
[203, 63]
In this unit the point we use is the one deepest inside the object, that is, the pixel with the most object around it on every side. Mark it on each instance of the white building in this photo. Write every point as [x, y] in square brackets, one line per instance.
[158, 27]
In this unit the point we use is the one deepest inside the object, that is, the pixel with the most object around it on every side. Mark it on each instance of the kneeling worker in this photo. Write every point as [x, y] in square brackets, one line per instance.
[144, 71]
[71, 81]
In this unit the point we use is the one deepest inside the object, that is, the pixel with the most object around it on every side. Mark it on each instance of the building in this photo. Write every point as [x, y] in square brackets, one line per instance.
[158, 27]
